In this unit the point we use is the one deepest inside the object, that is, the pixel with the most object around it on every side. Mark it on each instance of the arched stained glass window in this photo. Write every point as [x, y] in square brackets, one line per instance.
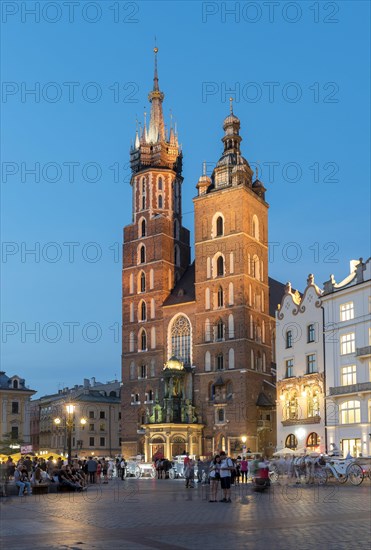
[180, 334]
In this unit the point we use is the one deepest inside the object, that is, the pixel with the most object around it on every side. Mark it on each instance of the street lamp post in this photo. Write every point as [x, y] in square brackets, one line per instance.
[69, 419]
[69, 424]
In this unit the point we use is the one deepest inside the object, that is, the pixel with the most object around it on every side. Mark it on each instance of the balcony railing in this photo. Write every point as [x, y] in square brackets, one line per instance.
[352, 388]
[363, 352]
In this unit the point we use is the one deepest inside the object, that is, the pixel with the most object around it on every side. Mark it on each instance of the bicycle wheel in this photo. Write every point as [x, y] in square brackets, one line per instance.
[342, 478]
[355, 474]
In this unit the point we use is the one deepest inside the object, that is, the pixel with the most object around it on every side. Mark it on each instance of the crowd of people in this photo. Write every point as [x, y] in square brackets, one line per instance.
[31, 471]
[221, 472]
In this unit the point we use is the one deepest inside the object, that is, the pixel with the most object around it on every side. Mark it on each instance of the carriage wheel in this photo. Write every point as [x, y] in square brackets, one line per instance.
[342, 478]
[137, 473]
[171, 474]
[153, 473]
[355, 474]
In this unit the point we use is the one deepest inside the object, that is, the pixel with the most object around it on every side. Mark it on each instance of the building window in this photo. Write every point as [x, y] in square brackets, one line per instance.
[289, 339]
[219, 226]
[289, 368]
[142, 254]
[91, 414]
[220, 266]
[142, 282]
[102, 414]
[14, 434]
[180, 335]
[143, 371]
[91, 427]
[220, 415]
[143, 228]
[15, 407]
[255, 227]
[313, 403]
[291, 441]
[15, 384]
[349, 375]
[220, 330]
[311, 363]
[220, 362]
[143, 311]
[143, 341]
[102, 427]
[91, 442]
[347, 343]
[313, 440]
[150, 395]
[350, 412]
[160, 201]
[347, 311]
[102, 441]
[291, 407]
[220, 297]
[311, 334]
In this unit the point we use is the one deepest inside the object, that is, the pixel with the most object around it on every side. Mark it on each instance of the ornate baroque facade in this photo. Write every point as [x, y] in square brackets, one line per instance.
[300, 370]
[197, 339]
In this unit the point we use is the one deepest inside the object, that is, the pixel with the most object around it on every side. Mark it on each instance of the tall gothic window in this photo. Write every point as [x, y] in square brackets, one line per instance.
[160, 183]
[220, 297]
[142, 282]
[220, 330]
[160, 201]
[220, 266]
[142, 254]
[219, 226]
[143, 228]
[143, 341]
[180, 334]
[220, 362]
[143, 311]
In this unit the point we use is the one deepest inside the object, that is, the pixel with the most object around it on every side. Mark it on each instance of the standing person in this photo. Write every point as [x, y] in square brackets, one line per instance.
[200, 470]
[110, 469]
[238, 469]
[123, 468]
[189, 473]
[243, 468]
[92, 469]
[104, 471]
[226, 468]
[214, 476]
[99, 471]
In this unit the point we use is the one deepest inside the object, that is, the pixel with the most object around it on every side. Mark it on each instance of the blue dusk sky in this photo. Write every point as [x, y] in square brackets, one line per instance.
[75, 78]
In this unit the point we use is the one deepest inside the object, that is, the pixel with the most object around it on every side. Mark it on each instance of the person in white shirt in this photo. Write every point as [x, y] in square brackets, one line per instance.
[226, 467]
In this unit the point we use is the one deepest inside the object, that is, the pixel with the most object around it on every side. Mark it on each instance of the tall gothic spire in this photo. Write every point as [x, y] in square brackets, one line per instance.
[156, 130]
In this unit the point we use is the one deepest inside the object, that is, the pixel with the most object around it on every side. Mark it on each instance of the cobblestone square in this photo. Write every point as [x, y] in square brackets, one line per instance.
[151, 514]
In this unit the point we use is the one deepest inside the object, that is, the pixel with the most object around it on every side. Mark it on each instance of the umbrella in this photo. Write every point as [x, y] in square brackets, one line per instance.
[283, 452]
[302, 451]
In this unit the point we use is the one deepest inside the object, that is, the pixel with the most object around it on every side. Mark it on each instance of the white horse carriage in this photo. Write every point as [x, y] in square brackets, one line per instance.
[136, 467]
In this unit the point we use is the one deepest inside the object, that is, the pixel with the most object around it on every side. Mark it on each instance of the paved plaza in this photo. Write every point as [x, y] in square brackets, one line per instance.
[151, 514]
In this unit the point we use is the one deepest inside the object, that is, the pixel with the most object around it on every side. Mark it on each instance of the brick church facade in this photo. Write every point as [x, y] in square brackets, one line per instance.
[197, 366]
